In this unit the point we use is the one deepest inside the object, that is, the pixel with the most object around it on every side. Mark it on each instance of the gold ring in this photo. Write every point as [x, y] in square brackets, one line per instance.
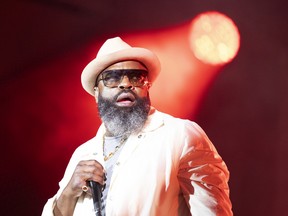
[84, 188]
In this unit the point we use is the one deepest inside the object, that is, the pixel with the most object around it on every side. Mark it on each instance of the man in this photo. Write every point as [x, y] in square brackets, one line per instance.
[148, 162]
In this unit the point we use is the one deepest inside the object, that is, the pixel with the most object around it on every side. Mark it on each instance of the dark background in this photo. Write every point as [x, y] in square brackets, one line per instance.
[244, 112]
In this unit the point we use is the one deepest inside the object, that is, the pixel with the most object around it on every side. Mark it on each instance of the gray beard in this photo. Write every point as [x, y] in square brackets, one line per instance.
[121, 121]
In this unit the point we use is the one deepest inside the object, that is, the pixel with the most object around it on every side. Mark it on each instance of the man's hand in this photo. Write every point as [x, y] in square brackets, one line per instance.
[86, 170]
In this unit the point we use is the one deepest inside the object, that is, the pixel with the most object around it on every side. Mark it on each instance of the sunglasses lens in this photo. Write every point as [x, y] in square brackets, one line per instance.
[111, 78]
[137, 77]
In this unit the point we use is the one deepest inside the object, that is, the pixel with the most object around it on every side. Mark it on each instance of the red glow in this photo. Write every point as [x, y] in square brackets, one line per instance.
[214, 38]
[183, 78]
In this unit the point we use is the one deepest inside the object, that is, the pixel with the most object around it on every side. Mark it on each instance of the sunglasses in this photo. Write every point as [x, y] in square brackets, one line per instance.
[113, 78]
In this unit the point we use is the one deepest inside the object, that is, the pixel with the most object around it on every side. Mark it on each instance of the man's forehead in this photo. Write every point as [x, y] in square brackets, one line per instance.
[126, 65]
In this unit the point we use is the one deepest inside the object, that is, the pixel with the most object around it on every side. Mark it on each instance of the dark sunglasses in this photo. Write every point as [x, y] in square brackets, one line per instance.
[112, 78]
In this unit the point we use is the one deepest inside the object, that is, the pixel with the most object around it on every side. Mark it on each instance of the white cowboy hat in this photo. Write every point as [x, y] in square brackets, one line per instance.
[116, 50]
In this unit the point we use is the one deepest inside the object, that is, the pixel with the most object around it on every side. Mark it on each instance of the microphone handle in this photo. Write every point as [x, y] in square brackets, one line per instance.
[96, 195]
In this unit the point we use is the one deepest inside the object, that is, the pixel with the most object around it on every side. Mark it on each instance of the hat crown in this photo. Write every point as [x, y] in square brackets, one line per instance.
[112, 45]
[116, 50]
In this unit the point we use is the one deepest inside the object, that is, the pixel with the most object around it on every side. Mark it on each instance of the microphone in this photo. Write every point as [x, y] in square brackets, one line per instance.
[96, 195]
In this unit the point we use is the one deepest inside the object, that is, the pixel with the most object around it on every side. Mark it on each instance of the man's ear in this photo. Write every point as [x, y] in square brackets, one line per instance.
[96, 93]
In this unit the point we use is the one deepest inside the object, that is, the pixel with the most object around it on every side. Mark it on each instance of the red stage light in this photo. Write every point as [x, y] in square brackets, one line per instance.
[214, 38]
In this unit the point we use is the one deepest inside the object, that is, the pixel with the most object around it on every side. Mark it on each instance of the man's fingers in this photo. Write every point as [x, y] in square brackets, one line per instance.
[90, 170]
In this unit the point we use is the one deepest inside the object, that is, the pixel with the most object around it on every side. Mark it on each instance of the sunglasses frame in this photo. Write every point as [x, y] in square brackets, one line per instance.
[122, 73]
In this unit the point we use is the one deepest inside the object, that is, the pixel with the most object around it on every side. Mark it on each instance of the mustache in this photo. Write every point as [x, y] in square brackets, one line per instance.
[124, 91]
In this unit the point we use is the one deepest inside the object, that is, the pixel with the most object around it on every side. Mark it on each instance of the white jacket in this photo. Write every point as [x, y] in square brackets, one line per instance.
[170, 168]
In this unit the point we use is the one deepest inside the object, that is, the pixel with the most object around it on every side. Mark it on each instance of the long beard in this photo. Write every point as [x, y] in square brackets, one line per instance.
[123, 120]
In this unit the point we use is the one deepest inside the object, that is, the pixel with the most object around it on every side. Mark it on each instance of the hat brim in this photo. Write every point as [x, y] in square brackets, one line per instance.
[97, 65]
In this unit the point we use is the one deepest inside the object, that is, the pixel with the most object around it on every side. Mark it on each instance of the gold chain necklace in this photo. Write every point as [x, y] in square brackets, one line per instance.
[122, 142]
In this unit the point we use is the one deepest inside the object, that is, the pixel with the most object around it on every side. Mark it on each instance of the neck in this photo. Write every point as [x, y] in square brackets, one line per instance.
[110, 134]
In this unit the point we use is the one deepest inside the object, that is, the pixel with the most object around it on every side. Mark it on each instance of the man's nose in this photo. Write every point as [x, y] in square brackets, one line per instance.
[125, 83]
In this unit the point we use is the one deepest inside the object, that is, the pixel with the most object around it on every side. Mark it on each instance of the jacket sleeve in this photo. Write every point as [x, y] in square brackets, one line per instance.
[83, 152]
[203, 175]
[50, 204]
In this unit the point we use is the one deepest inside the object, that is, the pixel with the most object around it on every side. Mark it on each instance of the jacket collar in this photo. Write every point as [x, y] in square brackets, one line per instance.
[154, 121]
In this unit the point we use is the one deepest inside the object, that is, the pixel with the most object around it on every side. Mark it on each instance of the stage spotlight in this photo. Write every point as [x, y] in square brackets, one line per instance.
[214, 38]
